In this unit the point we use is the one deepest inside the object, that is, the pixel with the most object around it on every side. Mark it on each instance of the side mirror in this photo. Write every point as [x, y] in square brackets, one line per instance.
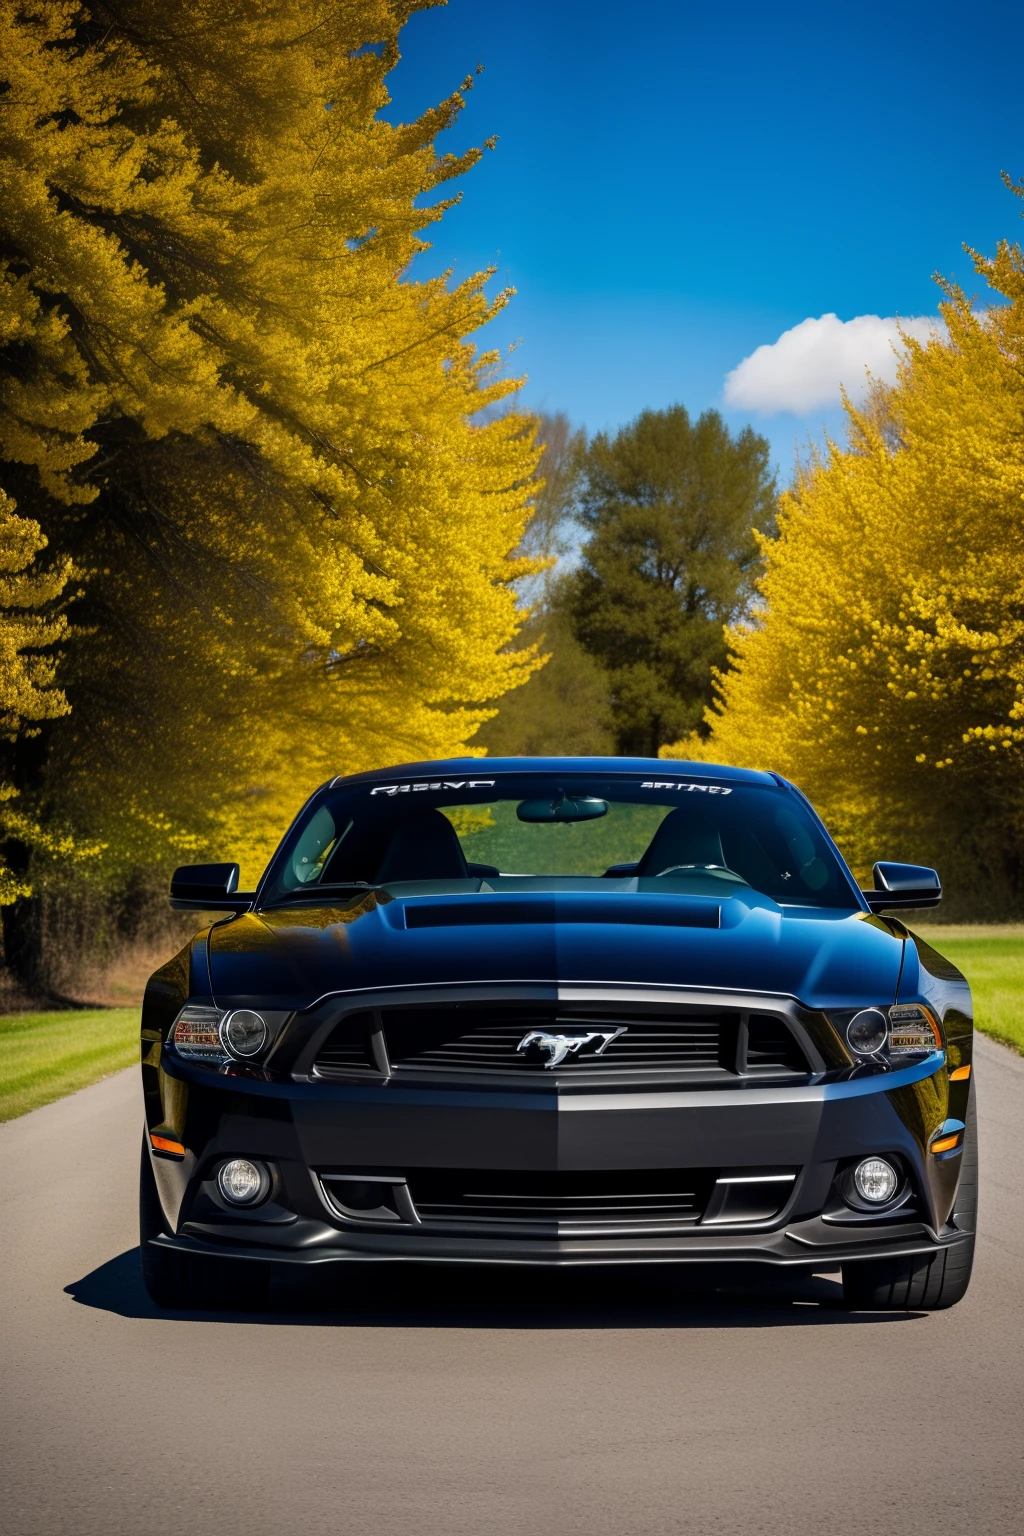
[208, 888]
[903, 885]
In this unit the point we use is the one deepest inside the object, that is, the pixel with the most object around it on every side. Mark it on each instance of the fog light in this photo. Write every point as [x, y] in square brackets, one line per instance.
[875, 1180]
[243, 1033]
[242, 1182]
[868, 1030]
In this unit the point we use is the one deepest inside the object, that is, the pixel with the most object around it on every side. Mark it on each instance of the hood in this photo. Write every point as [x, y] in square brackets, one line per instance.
[288, 957]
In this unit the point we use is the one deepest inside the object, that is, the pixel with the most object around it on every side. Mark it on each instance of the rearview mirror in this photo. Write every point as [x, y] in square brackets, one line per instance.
[562, 808]
[208, 888]
[903, 885]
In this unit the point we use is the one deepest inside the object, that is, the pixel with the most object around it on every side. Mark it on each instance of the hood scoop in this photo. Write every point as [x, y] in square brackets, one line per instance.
[484, 911]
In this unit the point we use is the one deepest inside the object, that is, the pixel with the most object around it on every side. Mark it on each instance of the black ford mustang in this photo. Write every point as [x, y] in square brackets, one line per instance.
[558, 1012]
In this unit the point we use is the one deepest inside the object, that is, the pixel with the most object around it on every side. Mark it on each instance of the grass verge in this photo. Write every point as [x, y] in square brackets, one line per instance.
[44, 1056]
[992, 959]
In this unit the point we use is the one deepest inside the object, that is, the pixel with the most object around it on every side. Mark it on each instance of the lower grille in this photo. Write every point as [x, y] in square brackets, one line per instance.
[566, 1203]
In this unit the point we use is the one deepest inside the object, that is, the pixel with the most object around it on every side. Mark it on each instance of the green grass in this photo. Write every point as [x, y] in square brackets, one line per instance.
[992, 959]
[548, 848]
[44, 1056]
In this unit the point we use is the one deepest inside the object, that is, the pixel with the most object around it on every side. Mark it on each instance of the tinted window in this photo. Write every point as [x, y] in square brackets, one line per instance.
[476, 832]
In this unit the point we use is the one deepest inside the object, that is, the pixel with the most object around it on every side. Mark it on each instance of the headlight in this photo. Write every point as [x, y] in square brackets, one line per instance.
[243, 1033]
[218, 1036]
[900, 1030]
[196, 1035]
[912, 1028]
[868, 1031]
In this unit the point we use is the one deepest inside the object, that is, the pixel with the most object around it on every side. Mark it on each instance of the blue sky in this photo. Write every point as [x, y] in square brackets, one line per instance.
[676, 185]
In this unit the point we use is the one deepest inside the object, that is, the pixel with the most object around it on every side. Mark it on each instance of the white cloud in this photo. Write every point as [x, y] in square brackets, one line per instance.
[804, 369]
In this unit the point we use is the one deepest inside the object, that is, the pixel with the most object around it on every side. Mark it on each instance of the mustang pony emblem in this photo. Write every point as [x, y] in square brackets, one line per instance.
[559, 1047]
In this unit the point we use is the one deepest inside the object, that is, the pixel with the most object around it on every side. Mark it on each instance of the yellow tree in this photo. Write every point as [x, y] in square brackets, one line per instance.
[884, 668]
[29, 629]
[230, 403]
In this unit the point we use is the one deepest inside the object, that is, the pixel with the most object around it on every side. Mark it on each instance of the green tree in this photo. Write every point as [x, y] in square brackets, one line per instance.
[670, 507]
[563, 707]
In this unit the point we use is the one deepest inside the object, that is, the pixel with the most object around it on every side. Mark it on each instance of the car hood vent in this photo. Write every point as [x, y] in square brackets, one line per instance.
[652, 911]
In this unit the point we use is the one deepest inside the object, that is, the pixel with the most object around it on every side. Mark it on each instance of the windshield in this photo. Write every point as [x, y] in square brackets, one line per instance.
[515, 830]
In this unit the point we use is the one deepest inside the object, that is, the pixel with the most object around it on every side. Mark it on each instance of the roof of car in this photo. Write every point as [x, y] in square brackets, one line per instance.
[481, 766]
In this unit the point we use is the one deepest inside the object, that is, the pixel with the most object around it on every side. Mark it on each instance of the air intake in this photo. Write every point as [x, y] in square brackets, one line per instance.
[641, 911]
[565, 1204]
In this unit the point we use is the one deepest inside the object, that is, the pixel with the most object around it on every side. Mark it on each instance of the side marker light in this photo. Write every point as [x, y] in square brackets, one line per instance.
[961, 1074]
[947, 1143]
[165, 1144]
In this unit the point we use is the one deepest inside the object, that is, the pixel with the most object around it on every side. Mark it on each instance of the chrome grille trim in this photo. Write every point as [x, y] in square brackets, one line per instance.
[315, 1023]
[502, 1039]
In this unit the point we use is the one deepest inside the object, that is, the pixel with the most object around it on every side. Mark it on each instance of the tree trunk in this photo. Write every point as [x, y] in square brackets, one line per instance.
[22, 923]
[24, 765]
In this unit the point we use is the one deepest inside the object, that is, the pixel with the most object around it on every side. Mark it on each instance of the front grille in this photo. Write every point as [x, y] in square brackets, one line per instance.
[771, 1046]
[487, 1038]
[562, 1203]
[482, 1039]
[348, 1046]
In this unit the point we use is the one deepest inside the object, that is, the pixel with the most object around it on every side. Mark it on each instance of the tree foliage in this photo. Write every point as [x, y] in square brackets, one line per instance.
[29, 628]
[670, 507]
[563, 708]
[28, 625]
[884, 671]
[224, 397]
[552, 532]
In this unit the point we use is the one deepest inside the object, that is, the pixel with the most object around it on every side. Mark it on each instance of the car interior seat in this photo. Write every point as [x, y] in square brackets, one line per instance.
[687, 836]
[423, 846]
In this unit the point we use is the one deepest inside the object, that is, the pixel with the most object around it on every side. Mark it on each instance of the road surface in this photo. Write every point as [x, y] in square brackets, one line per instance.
[488, 1405]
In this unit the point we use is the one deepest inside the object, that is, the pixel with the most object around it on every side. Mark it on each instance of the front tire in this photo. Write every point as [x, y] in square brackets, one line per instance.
[184, 1281]
[925, 1281]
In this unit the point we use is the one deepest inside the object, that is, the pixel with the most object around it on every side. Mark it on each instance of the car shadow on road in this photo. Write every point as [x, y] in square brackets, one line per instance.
[459, 1297]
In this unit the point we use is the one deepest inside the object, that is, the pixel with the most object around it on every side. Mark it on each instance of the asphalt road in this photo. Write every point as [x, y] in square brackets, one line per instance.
[570, 1404]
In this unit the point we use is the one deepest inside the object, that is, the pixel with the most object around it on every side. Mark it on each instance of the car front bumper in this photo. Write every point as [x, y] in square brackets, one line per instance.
[303, 1131]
